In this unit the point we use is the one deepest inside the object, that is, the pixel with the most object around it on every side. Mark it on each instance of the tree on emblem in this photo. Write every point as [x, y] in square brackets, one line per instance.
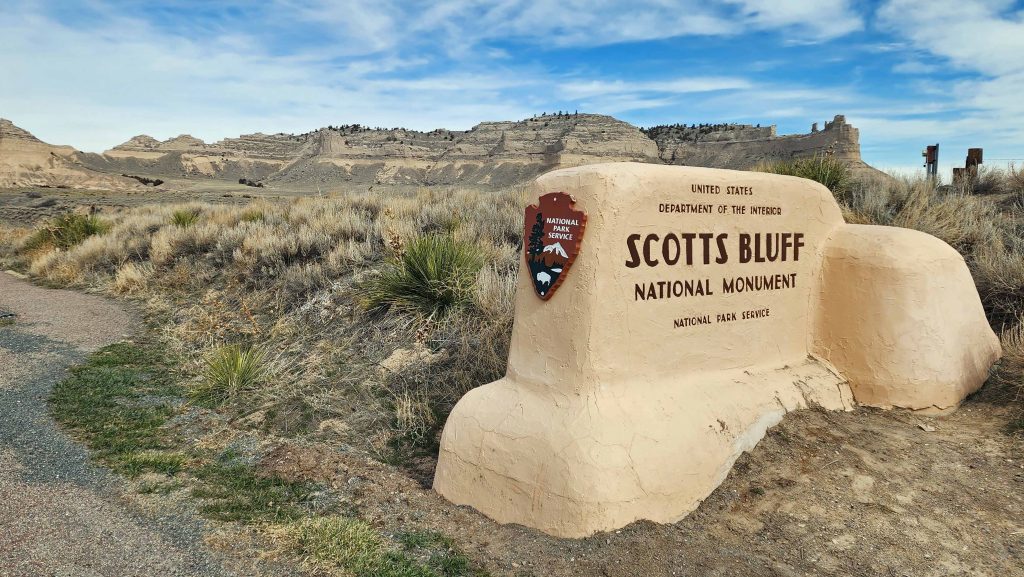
[536, 236]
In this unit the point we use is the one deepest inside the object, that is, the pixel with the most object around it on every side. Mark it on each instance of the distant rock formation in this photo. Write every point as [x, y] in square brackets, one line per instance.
[27, 161]
[491, 154]
[744, 146]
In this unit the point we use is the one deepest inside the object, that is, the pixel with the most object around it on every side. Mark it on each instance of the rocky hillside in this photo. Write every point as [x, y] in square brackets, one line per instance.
[27, 161]
[250, 156]
[743, 146]
[491, 154]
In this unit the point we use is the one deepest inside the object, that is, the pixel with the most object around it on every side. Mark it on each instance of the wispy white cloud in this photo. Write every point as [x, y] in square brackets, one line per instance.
[590, 88]
[96, 87]
[287, 65]
[984, 40]
[810, 19]
[914, 67]
[463, 24]
[293, 65]
[980, 35]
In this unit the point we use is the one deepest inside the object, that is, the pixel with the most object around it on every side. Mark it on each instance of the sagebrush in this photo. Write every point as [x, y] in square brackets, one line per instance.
[292, 281]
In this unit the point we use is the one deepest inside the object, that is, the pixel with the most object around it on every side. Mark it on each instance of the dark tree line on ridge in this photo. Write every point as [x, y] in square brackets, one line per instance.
[692, 130]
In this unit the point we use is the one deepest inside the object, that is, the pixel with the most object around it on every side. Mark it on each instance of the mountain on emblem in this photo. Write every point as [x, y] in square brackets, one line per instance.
[554, 231]
[557, 249]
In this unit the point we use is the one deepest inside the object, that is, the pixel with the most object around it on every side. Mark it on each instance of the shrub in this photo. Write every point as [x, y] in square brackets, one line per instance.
[230, 370]
[434, 275]
[826, 169]
[1015, 177]
[132, 278]
[1011, 367]
[66, 231]
[1009, 374]
[184, 218]
[987, 180]
[252, 215]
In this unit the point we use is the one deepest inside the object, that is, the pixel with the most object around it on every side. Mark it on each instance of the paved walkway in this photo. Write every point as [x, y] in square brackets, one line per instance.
[59, 514]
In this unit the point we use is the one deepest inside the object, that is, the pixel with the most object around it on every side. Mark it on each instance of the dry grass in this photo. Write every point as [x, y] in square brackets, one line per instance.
[290, 280]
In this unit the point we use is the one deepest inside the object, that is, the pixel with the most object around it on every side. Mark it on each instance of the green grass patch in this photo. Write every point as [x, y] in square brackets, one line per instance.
[434, 275]
[234, 492]
[355, 547]
[253, 215]
[66, 230]
[105, 402]
[117, 402]
[169, 464]
[443, 556]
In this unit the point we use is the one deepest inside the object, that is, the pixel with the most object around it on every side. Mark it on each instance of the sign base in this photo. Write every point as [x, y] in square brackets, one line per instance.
[573, 465]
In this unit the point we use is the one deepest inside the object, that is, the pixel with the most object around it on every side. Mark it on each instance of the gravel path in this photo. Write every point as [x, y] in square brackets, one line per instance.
[59, 514]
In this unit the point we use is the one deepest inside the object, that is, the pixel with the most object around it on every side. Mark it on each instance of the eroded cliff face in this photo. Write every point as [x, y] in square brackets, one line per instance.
[252, 156]
[491, 154]
[741, 146]
[27, 161]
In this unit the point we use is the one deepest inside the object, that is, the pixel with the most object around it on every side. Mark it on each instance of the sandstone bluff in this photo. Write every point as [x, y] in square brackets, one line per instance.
[491, 154]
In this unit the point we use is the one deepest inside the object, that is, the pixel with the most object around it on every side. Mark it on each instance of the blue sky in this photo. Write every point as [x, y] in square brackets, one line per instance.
[907, 73]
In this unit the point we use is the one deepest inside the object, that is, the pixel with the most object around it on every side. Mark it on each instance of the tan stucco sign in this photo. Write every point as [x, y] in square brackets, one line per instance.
[702, 306]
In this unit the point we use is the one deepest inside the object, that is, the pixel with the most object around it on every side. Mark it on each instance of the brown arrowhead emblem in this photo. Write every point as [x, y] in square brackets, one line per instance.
[554, 231]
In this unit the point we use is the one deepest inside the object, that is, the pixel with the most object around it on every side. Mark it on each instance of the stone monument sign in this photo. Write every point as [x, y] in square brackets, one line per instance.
[667, 316]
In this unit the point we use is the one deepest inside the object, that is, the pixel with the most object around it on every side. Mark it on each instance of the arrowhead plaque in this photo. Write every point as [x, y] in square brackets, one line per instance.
[554, 231]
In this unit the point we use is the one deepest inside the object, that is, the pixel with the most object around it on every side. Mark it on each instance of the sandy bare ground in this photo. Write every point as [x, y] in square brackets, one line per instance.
[867, 493]
[59, 514]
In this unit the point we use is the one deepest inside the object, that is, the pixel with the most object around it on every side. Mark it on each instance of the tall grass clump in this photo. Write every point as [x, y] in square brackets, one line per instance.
[823, 168]
[66, 231]
[230, 370]
[1015, 178]
[184, 217]
[434, 274]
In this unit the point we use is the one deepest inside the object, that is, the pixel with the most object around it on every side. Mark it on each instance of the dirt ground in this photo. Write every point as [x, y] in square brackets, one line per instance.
[862, 493]
[29, 205]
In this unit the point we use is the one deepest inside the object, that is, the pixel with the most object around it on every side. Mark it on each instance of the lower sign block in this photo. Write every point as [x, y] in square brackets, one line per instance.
[701, 305]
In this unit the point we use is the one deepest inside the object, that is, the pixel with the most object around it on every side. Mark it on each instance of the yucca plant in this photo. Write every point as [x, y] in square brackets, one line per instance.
[184, 218]
[229, 371]
[432, 276]
[67, 230]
